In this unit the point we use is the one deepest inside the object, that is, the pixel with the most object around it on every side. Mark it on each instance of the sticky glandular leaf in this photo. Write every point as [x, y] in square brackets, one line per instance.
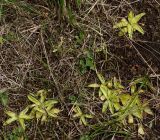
[141, 129]
[101, 78]
[138, 28]
[130, 31]
[137, 18]
[130, 16]
[121, 24]
[148, 110]
[33, 99]
[105, 106]
[94, 85]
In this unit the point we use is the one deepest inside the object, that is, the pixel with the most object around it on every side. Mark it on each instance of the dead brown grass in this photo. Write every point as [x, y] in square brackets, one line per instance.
[28, 63]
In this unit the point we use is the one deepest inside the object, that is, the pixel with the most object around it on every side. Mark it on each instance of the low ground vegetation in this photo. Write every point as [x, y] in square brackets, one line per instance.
[79, 69]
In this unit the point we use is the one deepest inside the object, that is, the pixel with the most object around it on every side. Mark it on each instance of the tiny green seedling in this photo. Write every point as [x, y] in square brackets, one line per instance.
[80, 38]
[59, 46]
[87, 63]
[85, 137]
[131, 25]
[42, 108]
[78, 3]
[3, 97]
[17, 134]
[141, 83]
[82, 117]
[72, 98]
[20, 118]
[1, 40]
